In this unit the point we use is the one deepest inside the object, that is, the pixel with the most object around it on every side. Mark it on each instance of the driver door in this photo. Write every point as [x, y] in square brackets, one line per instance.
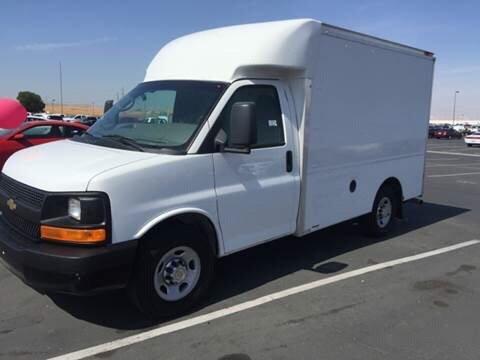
[258, 193]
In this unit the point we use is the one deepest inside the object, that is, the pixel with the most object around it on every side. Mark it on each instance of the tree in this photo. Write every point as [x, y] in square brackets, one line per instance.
[31, 101]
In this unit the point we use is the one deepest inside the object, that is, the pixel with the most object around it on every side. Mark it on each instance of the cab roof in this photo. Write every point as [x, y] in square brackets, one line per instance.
[251, 50]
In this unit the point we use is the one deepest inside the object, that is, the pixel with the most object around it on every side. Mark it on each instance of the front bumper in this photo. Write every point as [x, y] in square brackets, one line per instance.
[49, 267]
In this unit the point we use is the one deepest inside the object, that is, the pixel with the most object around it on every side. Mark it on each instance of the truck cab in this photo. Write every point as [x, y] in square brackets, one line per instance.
[103, 194]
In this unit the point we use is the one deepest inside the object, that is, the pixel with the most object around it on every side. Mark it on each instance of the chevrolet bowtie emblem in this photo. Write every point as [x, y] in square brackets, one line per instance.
[12, 205]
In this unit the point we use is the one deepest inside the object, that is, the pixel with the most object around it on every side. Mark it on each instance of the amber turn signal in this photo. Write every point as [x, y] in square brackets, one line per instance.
[73, 236]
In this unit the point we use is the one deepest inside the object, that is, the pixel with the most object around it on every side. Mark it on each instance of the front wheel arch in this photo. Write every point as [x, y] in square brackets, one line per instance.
[198, 221]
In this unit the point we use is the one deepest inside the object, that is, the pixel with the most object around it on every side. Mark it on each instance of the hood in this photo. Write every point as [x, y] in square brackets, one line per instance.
[66, 165]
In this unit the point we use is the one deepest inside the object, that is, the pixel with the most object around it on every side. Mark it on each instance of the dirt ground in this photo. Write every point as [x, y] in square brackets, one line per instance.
[74, 109]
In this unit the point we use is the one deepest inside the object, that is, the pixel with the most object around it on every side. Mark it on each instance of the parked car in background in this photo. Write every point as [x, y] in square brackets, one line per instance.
[55, 117]
[40, 115]
[431, 130]
[78, 117]
[161, 119]
[459, 127]
[473, 130]
[88, 120]
[473, 139]
[35, 118]
[447, 133]
[34, 133]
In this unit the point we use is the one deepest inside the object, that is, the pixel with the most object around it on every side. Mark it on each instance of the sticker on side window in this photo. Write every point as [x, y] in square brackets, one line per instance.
[272, 123]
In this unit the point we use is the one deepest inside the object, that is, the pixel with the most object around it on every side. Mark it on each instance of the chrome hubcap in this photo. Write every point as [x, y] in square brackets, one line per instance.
[384, 212]
[177, 273]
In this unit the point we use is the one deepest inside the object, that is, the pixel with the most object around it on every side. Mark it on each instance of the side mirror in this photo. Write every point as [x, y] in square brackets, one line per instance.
[18, 136]
[108, 105]
[243, 131]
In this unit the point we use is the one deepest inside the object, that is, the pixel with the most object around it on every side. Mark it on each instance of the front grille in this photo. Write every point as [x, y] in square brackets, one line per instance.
[18, 191]
[25, 227]
[24, 196]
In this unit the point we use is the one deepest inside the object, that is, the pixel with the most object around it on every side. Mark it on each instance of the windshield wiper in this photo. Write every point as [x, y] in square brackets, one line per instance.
[153, 143]
[82, 137]
[124, 141]
[86, 133]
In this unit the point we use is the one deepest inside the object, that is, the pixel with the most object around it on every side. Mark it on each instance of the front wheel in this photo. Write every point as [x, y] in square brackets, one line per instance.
[469, 145]
[382, 218]
[173, 271]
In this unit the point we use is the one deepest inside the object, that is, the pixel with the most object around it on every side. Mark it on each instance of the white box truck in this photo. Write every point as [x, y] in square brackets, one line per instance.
[264, 130]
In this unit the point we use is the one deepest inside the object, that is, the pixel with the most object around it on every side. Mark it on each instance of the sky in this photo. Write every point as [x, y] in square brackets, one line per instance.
[105, 45]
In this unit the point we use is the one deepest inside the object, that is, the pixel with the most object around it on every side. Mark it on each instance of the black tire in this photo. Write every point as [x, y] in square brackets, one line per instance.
[469, 145]
[371, 225]
[142, 289]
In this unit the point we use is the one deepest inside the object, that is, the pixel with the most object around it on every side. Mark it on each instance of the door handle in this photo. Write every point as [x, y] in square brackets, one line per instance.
[289, 161]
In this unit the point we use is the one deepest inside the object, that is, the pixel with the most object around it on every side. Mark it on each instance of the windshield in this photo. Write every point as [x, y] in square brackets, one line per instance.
[158, 115]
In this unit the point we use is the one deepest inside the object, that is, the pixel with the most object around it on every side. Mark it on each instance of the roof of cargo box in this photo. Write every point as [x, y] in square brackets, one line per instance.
[252, 50]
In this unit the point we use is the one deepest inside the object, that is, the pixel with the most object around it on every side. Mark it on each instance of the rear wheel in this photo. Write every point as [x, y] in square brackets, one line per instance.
[469, 145]
[384, 212]
[173, 271]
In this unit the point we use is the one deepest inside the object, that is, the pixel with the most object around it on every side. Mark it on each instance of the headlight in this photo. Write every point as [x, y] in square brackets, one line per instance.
[74, 209]
[81, 218]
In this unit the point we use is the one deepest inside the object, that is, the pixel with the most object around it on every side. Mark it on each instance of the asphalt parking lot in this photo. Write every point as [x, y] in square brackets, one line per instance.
[361, 302]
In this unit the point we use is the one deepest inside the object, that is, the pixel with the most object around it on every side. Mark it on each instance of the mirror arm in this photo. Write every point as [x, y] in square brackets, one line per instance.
[220, 140]
[221, 144]
[18, 137]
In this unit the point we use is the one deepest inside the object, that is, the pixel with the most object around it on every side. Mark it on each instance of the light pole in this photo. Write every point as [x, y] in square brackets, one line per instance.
[454, 105]
[61, 85]
[53, 106]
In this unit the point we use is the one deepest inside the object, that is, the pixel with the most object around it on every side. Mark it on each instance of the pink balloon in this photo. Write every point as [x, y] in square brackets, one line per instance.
[12, 113]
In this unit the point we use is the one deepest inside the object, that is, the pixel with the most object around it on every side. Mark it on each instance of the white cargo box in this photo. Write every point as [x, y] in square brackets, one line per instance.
[366, 119]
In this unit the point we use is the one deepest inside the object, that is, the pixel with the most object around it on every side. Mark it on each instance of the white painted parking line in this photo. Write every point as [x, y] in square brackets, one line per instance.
[449, 175]
[449, 149]
[439, 146]
[466, 182]
[445, 147]
[443, 159]
[466, 166]
[452, 153]
[202, 319]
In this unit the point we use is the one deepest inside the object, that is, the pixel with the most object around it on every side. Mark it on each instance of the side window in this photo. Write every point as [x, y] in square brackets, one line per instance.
[38, 131]
[269, 116]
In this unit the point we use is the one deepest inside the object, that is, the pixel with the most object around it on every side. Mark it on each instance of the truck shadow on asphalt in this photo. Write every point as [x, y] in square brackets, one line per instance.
[242, 272]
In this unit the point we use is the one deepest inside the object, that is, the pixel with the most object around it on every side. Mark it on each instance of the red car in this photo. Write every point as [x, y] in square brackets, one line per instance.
[447, 133]
[34, 133]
